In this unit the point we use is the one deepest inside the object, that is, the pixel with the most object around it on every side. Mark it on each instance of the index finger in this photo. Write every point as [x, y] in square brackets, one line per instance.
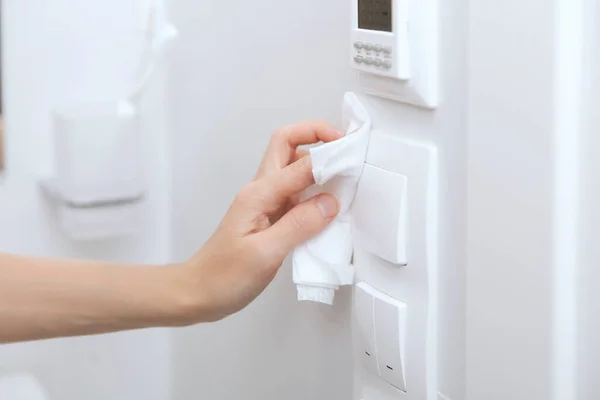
[307, 132]
[282, 148]
[287, 182]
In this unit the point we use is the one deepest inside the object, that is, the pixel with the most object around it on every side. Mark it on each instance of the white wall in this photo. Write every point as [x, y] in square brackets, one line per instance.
[588, 278]
[69, 51]
[233, 80]
[532, 242]
[509, 281]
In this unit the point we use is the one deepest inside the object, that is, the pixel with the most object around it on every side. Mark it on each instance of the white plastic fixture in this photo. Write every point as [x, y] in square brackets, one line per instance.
[364, 307]
[381, 214]
[381, 339]
[390, 339]
[412, 288]
[97, 184]
[394, 47]
[380, 38]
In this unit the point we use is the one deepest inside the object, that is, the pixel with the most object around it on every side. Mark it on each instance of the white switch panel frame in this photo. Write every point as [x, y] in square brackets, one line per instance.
[416, 284]
[416, 52]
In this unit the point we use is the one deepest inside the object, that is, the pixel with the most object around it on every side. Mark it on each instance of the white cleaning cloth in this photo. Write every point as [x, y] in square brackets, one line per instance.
[323, 263]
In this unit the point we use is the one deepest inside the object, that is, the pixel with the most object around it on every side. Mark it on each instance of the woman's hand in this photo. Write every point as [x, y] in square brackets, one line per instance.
[263, 225]
[44, 298]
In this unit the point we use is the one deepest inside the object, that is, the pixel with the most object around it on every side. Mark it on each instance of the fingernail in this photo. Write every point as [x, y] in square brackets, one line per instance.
[341, 134]
[328, 205]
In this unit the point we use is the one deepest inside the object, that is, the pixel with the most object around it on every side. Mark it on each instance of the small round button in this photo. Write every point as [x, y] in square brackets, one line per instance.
[358, 59]
[387, 64]
[378, 48]
[369, 46]
[358, 45]
[387, 49]
[369, 61]
[378, 62]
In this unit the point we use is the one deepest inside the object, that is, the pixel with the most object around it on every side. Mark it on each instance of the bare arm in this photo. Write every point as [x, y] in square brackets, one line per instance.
[44, 298]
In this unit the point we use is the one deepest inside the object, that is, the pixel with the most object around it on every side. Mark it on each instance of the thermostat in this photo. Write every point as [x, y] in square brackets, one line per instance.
[380, 38]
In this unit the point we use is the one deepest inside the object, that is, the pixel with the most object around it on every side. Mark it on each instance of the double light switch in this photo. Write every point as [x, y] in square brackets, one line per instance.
[395, 217]
[381, 322]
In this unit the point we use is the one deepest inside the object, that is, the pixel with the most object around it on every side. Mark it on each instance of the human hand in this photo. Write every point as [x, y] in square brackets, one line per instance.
[264, 224]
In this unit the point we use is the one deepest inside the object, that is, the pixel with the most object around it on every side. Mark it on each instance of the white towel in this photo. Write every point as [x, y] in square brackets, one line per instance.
[323, 264]
[159, 32]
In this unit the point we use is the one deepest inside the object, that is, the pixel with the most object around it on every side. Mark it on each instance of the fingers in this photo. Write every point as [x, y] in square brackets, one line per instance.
[282, 149]
[300, 153]
[307, 132]
[295, 199]
[280, 185]
[300, 224]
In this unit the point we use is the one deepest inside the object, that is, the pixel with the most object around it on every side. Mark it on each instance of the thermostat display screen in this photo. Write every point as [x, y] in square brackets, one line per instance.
[375, 15]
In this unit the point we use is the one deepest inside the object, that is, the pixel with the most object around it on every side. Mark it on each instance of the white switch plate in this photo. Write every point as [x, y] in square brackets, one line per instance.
[381, 337]
[390, 339]
[415, 284]
[364, 305]
[419, 84]
[379, 212]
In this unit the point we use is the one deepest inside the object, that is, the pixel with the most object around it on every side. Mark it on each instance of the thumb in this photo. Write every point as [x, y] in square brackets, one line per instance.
[300, 224]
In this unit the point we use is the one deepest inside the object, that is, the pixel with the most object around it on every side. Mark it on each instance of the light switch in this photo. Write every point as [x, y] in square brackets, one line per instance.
[380, 211]
[407, 298]
[390, 337]
[364, 302]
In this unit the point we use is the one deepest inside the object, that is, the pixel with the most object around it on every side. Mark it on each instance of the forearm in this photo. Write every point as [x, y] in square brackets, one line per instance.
[44, 298]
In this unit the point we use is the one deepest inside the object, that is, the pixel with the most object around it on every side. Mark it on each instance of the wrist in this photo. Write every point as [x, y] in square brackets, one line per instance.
[191, 301]
[186, 304]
